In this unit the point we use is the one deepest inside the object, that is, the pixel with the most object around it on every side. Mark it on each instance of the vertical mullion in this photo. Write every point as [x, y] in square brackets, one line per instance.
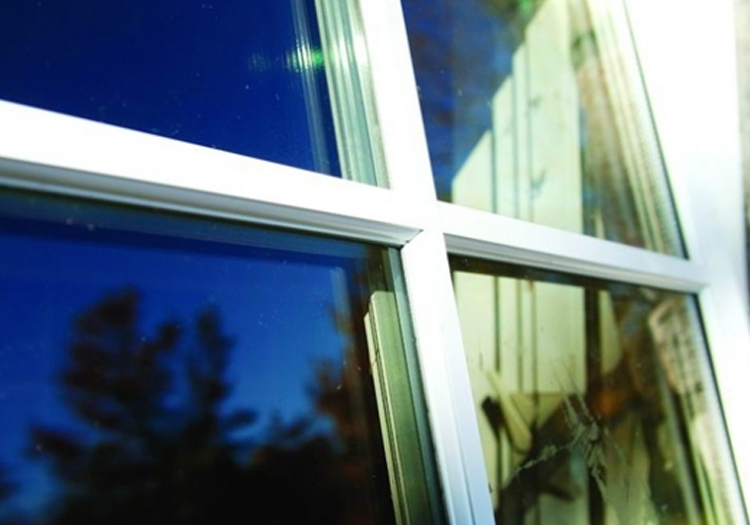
[426, 271]
[446, 379]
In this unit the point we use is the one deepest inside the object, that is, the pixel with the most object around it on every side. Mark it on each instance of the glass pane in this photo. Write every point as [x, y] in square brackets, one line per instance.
[536, 110]
[244, 77]
[164, 369]
[594, 400]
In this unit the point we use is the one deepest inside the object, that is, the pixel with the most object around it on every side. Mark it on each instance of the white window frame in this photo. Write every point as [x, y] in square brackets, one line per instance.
[51, 152]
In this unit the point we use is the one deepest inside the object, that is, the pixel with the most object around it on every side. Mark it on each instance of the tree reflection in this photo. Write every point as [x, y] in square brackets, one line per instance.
[155, 443]
[622, 438]
[6, 486]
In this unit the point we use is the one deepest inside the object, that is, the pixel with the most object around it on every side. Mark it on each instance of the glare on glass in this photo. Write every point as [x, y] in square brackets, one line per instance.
[159, 368]
[594, 400]
[536, 110]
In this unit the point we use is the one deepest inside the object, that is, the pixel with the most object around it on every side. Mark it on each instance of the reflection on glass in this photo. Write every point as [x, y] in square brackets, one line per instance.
[594, 400]
[535, 110]
[151, 375]
[244, 77]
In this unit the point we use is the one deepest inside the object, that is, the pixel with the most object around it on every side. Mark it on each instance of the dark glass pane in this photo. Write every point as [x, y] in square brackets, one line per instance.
[594, 400]
[164, 369]
[535, 109]
[245, 77]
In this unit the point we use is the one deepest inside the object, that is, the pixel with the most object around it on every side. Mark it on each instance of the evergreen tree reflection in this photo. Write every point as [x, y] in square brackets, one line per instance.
[156, 444]
[6, 486]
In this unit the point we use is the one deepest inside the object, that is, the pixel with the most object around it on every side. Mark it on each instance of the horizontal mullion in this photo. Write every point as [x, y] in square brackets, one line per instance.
[483, 235]
[51, 152]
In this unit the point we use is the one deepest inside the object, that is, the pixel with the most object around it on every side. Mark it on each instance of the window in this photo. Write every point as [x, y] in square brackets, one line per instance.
[371, 123]
[536, 110]
[161, 368]
[595, 401]
[209, 74]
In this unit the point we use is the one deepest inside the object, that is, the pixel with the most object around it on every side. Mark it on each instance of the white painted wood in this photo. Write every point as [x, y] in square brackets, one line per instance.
[427, 274]
[44, 149]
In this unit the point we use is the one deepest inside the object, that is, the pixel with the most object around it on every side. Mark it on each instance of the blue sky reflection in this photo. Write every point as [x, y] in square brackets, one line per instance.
[280, 309]
[219, 74]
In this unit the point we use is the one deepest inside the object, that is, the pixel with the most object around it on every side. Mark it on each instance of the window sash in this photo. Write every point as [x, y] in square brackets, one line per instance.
[49, 152]
[710, 147]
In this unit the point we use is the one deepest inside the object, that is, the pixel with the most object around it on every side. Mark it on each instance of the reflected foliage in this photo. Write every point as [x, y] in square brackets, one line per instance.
[580, 444]
[155, 443]
[594, 409]
[6, 486]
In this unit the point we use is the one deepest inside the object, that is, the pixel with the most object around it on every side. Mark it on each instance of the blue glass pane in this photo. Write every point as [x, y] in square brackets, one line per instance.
[151, 375]
[245, 77]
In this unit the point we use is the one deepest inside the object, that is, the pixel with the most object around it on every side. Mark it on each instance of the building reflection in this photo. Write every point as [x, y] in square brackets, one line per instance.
[536, 110]
[593, 399]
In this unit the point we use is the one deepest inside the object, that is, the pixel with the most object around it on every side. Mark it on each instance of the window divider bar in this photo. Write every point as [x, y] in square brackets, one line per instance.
[395, 92]
[47, 151]
[426, 271]
[483, 235]
[399, 229]
[445, 378]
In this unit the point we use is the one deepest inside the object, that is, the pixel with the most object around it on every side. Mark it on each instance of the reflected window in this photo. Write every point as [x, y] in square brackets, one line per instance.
[244, 77]
[594, 400]
[536, 110]
[158, 368]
